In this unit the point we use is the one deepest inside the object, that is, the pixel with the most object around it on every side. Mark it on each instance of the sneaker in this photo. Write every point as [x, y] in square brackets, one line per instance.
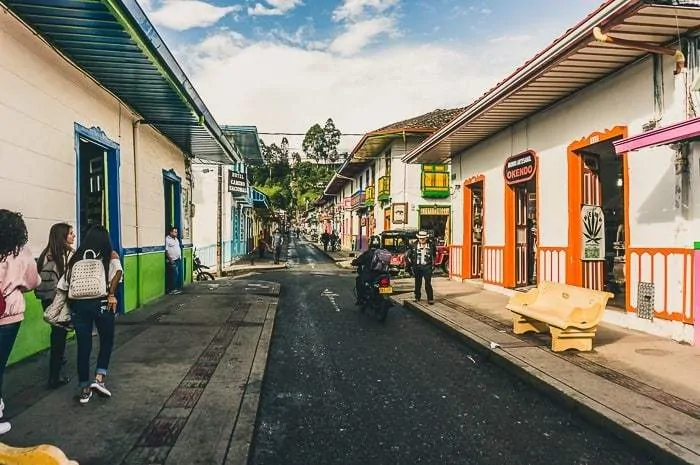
[5, 427]
[100, 387]
[85, 396]
[430, 302]
[2, 407]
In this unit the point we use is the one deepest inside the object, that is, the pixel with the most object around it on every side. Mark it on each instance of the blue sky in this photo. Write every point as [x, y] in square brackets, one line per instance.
[284, 64]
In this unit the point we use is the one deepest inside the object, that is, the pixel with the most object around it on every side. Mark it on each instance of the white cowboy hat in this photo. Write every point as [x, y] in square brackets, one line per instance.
[421, 234]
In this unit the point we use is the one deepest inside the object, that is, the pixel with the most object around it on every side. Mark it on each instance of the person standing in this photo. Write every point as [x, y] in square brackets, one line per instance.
[277, 241]
[52, 264]
[173, 258]
[98, 310]
[421, 256]
[18, 274]
[261, 245]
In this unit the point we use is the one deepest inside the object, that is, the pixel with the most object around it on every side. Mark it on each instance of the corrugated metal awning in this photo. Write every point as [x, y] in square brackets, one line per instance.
[247, 142]
[570, 64]
[114, 42]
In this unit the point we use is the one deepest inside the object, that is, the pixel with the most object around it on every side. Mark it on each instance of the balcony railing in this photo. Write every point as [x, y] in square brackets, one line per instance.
[435, 181]
[369, 196]
[384, 188]
[357, 200]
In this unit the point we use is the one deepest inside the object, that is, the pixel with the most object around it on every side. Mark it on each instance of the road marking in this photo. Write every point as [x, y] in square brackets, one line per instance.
[330, 295]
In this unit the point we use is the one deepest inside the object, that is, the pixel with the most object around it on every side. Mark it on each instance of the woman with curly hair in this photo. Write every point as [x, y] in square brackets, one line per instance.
[18, 274]
[52, 263]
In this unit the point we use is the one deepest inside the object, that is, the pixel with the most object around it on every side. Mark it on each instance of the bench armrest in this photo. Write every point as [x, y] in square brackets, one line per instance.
[587, 317]
[523, 298]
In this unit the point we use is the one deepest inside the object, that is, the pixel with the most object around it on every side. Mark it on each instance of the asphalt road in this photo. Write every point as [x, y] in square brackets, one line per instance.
[341, 388]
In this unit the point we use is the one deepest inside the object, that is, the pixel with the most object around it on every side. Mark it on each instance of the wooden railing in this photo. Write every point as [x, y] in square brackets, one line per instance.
[455, 261]
[369, 196]
[493, 264]
[384, 188]
[435, 181]
[357, 200]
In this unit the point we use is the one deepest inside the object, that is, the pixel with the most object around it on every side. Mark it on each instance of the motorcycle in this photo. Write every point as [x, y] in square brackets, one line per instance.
[376, 298]
[200, 273]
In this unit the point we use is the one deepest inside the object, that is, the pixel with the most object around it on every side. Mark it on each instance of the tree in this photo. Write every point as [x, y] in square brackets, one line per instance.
[313, 143]
[321, 143]
[331, 139]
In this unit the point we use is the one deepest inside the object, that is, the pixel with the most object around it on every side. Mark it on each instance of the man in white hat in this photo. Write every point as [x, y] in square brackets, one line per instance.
[421, 257]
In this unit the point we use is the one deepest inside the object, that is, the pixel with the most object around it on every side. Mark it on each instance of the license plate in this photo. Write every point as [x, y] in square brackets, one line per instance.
[385, 290]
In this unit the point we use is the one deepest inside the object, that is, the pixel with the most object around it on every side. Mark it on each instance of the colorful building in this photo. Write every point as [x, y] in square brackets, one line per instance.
[375, 190]
[552, 189]
[100, 126]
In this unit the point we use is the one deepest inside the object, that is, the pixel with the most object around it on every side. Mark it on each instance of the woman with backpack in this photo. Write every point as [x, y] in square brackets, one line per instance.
[91, 280]
[18, 274]
[52, 266]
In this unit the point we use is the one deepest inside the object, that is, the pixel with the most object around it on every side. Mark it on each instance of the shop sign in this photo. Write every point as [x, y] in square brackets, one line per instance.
[593, 232]
[237, 183]
[520, 168]
[399, 213]
[434, 211]
[363, 221]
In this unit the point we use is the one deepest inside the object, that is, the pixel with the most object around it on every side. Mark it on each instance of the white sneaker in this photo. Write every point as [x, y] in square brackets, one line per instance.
[2, 407]
[5, 427]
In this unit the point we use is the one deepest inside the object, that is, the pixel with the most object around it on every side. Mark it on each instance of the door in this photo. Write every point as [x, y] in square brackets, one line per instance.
[477, 231]
[525, 235]
[593, 271]
[387, 219]
[172, 191]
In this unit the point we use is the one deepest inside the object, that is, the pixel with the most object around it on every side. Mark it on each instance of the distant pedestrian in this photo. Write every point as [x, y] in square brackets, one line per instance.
[92, 305]
[18, 274]
[325, 239]
[52, 264]
[277, 241]
[173, 258]
[421, 257]
[261, 245]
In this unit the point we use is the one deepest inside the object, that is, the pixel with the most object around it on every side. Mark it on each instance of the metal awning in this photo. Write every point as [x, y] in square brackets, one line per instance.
[247, 142]
[685, 130]
[114, 43]
[571, 63]
[350, 168]
[260, 200]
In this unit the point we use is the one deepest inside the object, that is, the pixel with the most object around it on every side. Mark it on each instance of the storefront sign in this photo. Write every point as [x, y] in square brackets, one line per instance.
[363, 221]
[593, 233]
[237, 183]
[399, 213]
[434, 211]
[520, 168]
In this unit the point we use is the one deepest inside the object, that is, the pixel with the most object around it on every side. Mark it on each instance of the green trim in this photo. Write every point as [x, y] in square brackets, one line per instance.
[697, 246]
[34, 332]
[187, 253]
[436, 193]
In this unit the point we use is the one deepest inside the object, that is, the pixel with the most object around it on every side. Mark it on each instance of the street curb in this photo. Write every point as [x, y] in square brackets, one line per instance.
[251, 269]
[599, 414]
[337, 260]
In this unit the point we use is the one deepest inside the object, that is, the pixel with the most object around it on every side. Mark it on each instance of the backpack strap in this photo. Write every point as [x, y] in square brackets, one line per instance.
[85, 254]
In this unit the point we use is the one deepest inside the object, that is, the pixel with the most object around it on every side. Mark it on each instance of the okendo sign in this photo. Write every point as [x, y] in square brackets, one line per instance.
[520, 168]
[237, 183]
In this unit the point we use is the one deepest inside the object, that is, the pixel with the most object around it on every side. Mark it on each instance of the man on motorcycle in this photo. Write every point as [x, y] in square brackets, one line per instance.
[365, 273]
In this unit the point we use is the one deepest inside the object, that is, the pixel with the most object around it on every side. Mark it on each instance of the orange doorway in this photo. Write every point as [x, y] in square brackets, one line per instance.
[598, 221]
[473, 258]
[387, 219]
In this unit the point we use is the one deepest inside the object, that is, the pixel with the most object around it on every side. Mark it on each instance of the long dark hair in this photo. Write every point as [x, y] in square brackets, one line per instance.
[97, 240]
[13, 234]
[57, 249]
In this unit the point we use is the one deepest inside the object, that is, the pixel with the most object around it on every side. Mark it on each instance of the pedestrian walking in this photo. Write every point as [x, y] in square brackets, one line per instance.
[18, 274]
[421, 256]
[52, 264]
[277, 241]
[325, 239]
[261, 245]
[91, 280]
[173, 258]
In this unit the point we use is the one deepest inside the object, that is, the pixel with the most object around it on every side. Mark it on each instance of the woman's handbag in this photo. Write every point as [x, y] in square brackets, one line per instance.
[58, 313]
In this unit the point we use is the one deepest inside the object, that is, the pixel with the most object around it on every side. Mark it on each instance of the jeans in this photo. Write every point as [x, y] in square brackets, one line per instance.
[85, 313]
[421, 272]
[57, 348]
[278, 251]
[8, 336]
[173, 275]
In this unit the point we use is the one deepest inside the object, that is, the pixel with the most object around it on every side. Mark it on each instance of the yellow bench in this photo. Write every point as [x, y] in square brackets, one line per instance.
[38, 455]
[570, 313]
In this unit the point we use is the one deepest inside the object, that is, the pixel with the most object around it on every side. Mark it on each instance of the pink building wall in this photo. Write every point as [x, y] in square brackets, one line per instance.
[696, 293]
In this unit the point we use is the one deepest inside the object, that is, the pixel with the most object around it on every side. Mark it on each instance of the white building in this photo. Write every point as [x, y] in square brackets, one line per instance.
[550, 188]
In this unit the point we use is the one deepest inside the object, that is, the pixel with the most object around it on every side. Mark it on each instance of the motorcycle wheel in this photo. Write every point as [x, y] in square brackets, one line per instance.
[445, 266]
[205, 276]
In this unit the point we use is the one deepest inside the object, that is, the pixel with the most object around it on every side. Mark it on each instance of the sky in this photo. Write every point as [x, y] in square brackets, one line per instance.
[283, 65]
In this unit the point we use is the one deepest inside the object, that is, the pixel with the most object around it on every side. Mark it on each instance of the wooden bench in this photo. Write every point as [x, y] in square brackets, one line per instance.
[571, 314]
[38, 455]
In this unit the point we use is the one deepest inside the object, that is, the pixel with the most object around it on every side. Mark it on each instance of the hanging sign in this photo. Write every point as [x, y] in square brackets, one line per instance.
[593, 233]
[520, 168]
[399, 213]
[237, 183]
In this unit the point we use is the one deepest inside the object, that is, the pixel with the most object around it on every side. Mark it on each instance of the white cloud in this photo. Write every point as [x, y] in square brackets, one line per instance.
[507, 39]
[276, 7]
[285, 88]
[355, 9]
[181, 15]
[358, 35]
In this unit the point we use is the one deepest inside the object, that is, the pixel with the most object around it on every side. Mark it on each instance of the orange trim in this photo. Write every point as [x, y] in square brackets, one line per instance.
[493, 261]
[509, 248]
[451, 264]
[664, 312]
[574, 267]
[466, 226]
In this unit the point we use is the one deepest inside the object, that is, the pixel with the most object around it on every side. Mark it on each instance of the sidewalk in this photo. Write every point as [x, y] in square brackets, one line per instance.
[244, 265]
[645, 388]
[342, 257]
[185, 374]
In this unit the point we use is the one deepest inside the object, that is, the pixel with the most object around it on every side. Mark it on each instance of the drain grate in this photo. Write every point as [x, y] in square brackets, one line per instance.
[184, 397]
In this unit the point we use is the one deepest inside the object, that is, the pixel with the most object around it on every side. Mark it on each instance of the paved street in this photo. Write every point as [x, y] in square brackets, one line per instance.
[341, 388]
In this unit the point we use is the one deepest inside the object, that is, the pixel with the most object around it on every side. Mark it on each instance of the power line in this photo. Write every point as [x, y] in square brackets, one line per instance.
[303, 134]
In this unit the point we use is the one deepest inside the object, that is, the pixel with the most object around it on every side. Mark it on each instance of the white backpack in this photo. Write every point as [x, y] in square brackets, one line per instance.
[87, 278]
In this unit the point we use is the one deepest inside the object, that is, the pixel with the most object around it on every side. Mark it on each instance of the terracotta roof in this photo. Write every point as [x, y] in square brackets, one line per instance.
[428, 122]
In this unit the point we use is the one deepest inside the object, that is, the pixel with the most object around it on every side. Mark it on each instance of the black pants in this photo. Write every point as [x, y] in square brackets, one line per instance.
[420, 273]
[278, 252]
[57, 348]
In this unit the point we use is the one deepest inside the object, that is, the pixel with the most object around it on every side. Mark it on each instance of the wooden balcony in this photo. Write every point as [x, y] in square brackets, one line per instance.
[435, 181]
[384, 188]
[369, 196]
[357, 200]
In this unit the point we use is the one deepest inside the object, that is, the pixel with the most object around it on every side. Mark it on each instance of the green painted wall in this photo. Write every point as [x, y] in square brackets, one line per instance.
[151, 276]
[34, 332]
[187, 254]
[131, 273]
